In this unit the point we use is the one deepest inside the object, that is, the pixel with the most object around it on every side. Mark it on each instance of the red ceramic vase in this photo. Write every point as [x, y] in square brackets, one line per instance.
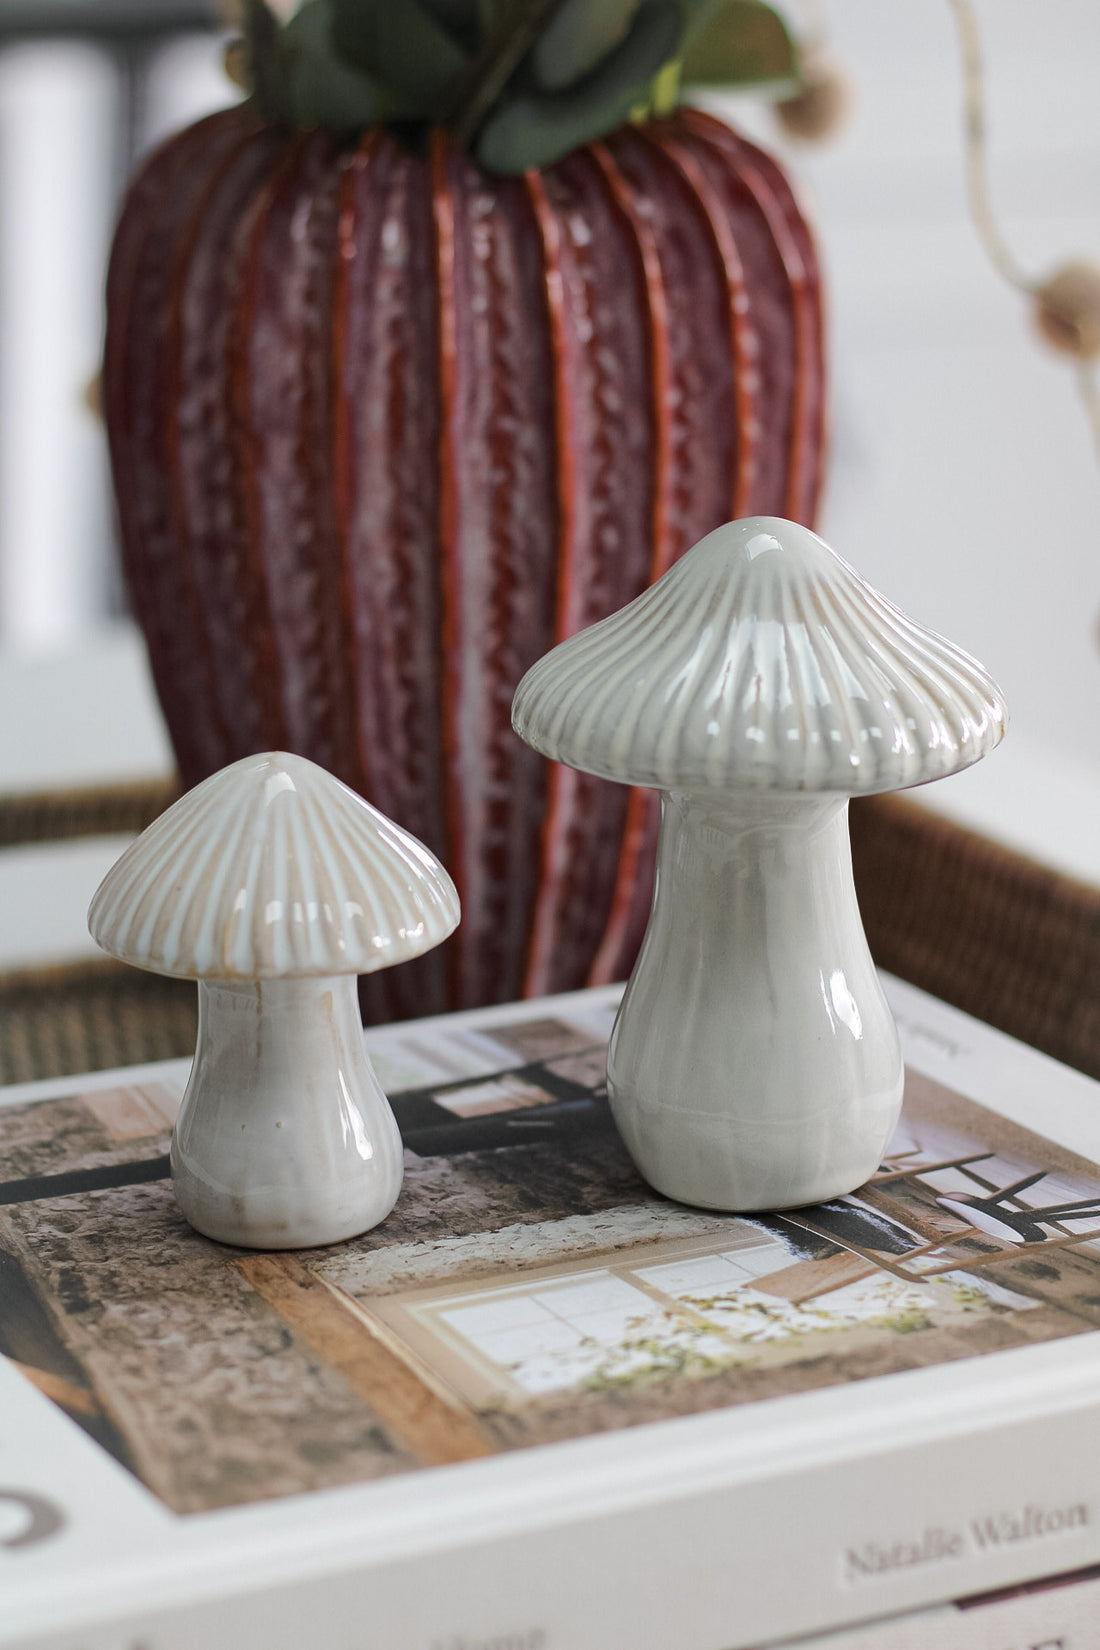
[385, 428]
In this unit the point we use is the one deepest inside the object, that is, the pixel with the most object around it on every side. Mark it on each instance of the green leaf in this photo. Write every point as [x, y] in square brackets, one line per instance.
[738, 43]
[265, 64]
[461, 18]
[400, 45]
[490, 14]
[664, 88]
[532, 131]
[308, 31]
[578, 36]
[321, 89]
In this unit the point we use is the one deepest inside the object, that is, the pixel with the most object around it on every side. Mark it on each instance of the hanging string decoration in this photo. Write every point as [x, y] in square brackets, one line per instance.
[1066, 304]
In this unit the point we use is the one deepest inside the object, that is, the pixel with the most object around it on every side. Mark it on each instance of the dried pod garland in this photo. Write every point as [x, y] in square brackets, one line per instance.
[1067, 310]
[1065, 305]
[820, 107]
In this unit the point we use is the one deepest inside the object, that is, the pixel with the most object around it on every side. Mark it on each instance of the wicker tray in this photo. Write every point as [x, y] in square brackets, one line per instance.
[986, 929]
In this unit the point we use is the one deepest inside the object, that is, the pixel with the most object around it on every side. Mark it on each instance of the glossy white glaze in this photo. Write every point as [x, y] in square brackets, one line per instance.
[274, 885]
[760, 683]
[754, 1062]
[269, 869]
[760, 659]
[285, 1138]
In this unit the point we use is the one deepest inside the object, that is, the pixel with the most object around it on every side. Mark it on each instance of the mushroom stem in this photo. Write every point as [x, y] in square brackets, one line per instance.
[754, 1062]
[285, 1138]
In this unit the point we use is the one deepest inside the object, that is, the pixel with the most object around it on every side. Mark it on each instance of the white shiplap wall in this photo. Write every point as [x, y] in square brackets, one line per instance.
[61, 125]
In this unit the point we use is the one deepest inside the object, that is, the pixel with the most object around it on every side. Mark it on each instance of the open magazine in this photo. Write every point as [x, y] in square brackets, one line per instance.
[541, 1407]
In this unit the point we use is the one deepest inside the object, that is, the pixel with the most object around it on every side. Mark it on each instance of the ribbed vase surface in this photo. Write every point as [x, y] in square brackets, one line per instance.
[385, 428]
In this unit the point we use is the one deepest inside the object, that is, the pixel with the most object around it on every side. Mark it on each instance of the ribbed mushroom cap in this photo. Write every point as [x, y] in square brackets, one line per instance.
[760, 659]
[272, 869]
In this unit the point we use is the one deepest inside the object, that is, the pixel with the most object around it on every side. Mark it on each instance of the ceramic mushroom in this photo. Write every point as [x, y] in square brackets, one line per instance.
[273, 886]
[758, 685]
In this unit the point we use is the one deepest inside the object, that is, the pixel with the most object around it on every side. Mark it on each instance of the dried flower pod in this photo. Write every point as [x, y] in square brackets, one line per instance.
[821, 106]
[235, 64]
[93, 396]
[1067, 310]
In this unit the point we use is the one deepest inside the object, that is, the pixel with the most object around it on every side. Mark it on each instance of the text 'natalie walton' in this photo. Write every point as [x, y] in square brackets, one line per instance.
[936, 1544]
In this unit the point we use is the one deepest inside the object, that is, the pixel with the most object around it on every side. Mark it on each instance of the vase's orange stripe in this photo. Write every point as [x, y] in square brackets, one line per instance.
[743, 337]
[239, 364]
[801, 489]
[173, 392]
[802, 447]
[126, 257]
[346, 227]
[123, 330]
[450, 538]
[550, 235]
[540, 942]
[606, 963]
[659, 358]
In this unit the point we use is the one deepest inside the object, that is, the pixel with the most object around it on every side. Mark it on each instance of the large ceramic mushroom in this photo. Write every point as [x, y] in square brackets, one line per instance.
[273, 885]
[758, 685]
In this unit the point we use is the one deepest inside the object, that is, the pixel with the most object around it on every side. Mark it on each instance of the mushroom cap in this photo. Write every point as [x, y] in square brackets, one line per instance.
[760, 660]
[272, 869]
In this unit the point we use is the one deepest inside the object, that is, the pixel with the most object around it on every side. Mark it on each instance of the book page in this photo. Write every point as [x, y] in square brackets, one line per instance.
[528, 1288]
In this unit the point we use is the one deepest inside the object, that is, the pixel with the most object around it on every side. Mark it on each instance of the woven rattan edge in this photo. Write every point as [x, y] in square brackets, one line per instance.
[981, 925]
[90, 1015]
[100, 810]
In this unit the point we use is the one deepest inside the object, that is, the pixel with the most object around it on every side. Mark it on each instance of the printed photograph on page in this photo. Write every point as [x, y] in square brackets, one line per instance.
[528, 1287]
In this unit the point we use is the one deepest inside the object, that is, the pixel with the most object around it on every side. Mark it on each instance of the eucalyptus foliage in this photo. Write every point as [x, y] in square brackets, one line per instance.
[522, 81]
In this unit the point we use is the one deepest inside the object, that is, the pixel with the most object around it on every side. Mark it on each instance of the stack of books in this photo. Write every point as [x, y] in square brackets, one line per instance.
[543, 1408]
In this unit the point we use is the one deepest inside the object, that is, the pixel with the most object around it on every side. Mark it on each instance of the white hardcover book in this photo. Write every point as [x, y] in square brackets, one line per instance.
[1059, 1613]
[540, 1407]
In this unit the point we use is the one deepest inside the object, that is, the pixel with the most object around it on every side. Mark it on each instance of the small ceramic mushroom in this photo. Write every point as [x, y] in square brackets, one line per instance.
[758, 685]
[273, 885]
